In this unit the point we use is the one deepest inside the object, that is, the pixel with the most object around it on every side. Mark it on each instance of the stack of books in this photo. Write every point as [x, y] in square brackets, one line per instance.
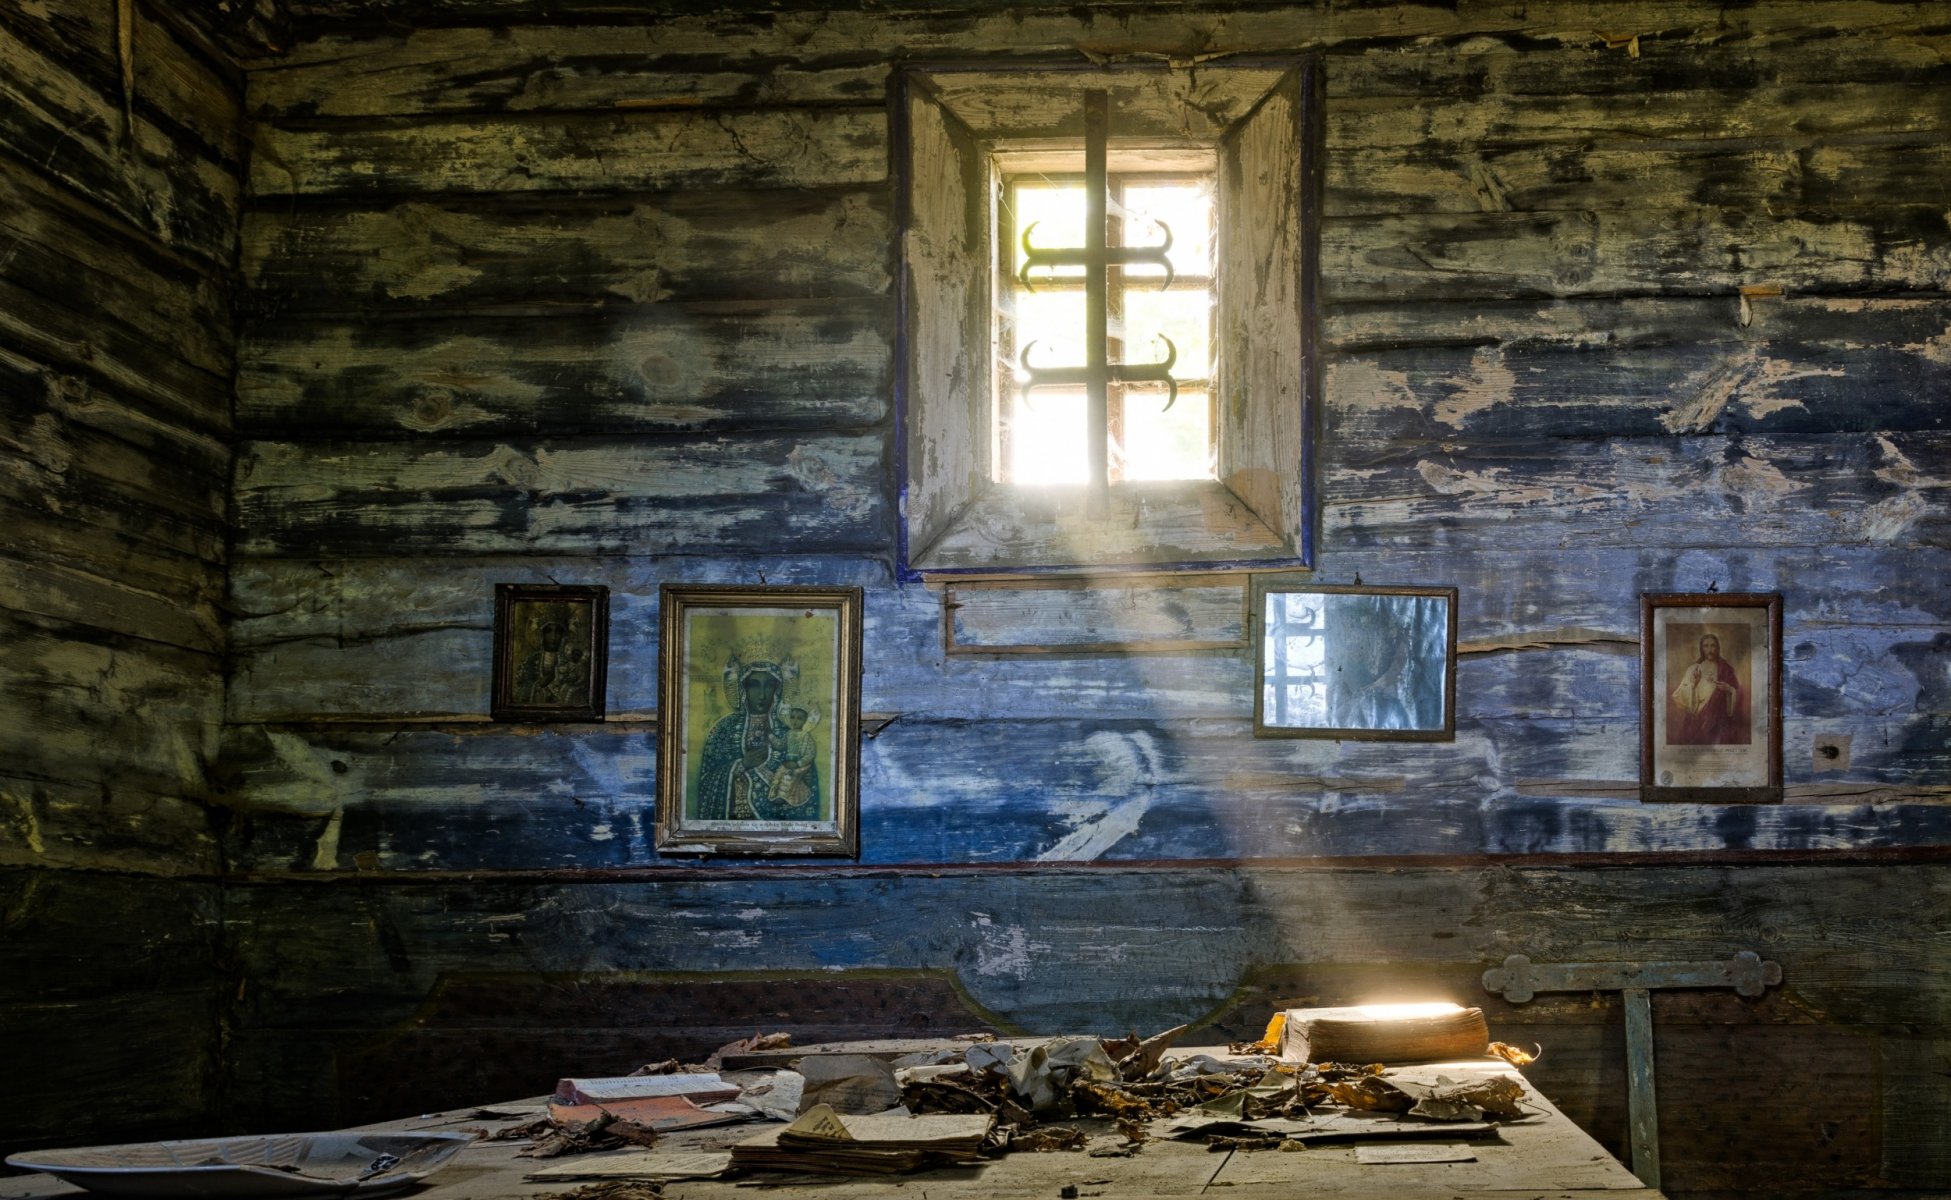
[1385, 1033]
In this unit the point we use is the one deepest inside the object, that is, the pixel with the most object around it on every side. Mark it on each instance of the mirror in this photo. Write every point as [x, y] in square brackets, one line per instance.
[1355, 662]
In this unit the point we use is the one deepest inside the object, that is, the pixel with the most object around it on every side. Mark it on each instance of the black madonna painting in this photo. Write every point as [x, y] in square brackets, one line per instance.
[758, 720]
[551, 652]
[1710, 713]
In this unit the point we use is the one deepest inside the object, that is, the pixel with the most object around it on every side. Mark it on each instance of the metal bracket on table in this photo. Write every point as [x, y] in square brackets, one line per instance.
[1519, 979]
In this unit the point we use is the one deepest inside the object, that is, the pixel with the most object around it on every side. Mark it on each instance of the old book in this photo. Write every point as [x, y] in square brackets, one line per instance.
[822, 1140]
[1385, 1033]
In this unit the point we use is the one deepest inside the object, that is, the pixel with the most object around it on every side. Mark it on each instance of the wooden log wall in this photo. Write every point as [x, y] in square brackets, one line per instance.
[542, 293]
[120, 178]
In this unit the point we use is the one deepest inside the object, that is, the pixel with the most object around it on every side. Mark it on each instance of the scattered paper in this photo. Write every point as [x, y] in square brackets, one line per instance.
[776, 1096]
[708, 1088]
[848, 1083]
[1044, 1076]
[638, 1164]
[661, 1113]
[1414, 1154]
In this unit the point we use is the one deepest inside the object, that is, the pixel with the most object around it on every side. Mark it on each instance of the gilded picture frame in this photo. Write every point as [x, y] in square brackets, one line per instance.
[1354, 663]
[1710, 714]
[758, 722]
[551, 652]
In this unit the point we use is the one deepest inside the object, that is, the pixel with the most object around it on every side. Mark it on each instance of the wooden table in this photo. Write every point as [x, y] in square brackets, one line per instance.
[1545, 1157]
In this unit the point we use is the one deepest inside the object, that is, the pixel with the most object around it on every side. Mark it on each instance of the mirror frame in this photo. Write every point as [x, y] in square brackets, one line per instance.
[1263, 588]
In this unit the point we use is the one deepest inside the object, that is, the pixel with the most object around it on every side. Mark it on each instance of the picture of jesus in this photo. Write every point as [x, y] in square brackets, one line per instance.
[1708, 704]
[1710, 700]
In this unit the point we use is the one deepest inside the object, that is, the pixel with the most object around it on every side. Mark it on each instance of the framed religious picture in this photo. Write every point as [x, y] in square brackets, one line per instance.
[758, 720]
[552, 650]
[1374, 663]
[1710, 713]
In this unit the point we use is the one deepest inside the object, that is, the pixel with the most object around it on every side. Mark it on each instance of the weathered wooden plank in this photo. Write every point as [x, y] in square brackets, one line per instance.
[529, 68]
[88, 360]
[70, 592]
[567, 67]
[669, 368]
[1634, 320]
[1150, 612]
[1674, 248]
[1912, 1154]
[1788, 174]
[1545, 633]
[628, 151]
[1197, 107]
[1068, 970]
[821, 492]
[127, 554]
[98, 971]
[74, 936]
[1702, 492]
[79, 136]
[113, 274]
[89, 825]
[1636, 368]
[51, 406]
[1516, 62]
[678, 246]
[444, 41]
[319, 798]
[1145, 523]
[116, 713]
[60, 452]
[1712, 115]
[174, 82]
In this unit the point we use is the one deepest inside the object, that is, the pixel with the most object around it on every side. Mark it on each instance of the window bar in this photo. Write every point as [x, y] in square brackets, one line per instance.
[1097, 358]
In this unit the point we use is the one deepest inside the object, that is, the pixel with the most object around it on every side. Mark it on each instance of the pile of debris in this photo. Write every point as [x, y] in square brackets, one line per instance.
[861, 1113]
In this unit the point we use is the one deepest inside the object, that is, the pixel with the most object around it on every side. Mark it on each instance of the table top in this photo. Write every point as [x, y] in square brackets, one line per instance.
[1545, 1157]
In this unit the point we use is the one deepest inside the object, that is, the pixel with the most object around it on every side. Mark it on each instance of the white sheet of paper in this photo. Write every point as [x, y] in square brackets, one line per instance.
[1435, 1153]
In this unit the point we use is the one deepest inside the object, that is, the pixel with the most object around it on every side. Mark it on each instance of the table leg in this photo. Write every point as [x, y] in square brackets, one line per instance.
[1642, 1114]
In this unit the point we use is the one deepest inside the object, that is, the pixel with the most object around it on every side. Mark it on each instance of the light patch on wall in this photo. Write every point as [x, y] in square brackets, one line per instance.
[1129, 766]
[20, 816]
[1360, 384]
[818, 474]
[1889, 520]
[1003, 950]
[1486, 384]
[1758, 480]
[602, 833]
[325, 856]
[1937, 349]
[1485, 485]
[1749, 378]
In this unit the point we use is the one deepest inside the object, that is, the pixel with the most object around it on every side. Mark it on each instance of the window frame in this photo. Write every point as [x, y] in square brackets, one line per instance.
[954, 520]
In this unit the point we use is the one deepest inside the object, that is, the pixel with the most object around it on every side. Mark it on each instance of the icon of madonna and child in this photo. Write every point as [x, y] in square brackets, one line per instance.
[760, 755]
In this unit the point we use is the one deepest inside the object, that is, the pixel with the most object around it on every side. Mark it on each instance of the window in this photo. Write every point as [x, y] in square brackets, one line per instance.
[1157, 313]
[1210, 468]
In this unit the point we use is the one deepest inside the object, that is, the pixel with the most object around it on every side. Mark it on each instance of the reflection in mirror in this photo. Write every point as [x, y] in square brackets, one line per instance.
[1358, 663]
